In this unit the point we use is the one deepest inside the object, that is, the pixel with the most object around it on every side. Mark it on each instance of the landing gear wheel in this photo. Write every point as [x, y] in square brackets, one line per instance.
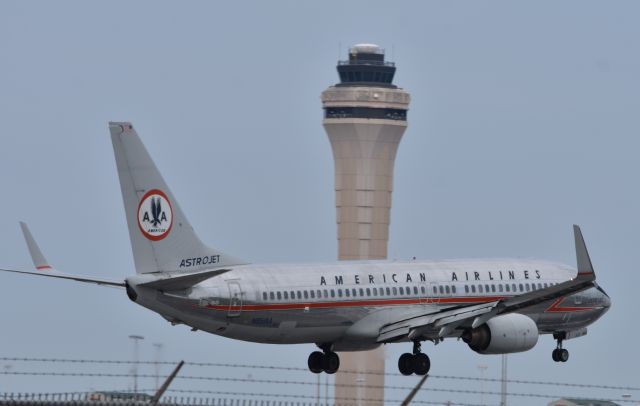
[563, 355]
[421, 364]
[331, 362]
[405, 364]
[316, 359]
[560, 354]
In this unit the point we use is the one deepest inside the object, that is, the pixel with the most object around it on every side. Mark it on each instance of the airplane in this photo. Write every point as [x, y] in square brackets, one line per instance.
[495, 306]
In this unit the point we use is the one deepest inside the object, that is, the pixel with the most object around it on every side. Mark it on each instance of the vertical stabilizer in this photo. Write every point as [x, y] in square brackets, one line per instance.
[162, 238]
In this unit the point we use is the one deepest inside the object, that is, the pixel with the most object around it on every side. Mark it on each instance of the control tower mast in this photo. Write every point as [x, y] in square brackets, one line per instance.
[365, 116]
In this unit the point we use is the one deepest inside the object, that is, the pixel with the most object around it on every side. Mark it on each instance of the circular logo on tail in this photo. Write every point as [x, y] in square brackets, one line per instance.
[155, 215]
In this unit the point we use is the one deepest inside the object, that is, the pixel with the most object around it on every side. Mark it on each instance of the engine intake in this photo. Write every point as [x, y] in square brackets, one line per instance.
[503, 335]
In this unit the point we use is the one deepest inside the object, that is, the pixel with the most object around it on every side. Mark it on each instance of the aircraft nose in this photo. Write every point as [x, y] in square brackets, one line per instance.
[606, 301]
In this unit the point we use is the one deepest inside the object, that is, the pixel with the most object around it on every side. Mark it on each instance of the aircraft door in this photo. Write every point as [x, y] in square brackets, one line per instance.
[433, 295]
[235, 299]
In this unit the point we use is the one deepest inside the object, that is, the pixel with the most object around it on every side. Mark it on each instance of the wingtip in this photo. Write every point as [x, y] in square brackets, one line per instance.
[39, 261]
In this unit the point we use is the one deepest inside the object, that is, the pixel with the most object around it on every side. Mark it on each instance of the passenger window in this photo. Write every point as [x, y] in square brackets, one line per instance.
[526, 286]
[286, 295]
[435, 290]
[326, 293]
[415, 290]
[313, 294]
[545, 285]
[339, 292]
[441, 289]
[319, 293]
[500, 287]
[493, 288]
[423, 290]
[395, 291]
[272, 296]
[521, 288]
[333, 293]
[368, 292]
[480, 288]
[375, 291]
[401, 290]
[353, 293]
[347, 292]
[388, 291]
[361, 291]
[486, 288]
[453, 289]
[446, 288]
[306, 294]
[264, 295]
[539, 286]
[299, 295]
[506, 287]
[473, 288]
[279, 295]
[466, 288]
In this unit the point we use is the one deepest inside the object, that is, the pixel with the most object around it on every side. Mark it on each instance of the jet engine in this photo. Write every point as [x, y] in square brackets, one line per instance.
[503, 335]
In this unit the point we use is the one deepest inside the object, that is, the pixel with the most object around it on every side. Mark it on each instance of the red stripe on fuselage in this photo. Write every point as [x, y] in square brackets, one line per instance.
[43, 267]
[556, 308]
[355, 303]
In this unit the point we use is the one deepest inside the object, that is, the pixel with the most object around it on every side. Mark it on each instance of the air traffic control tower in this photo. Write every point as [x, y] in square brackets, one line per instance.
[365, 116]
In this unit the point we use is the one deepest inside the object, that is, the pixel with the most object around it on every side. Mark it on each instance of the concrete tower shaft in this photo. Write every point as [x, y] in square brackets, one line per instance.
[365, 116]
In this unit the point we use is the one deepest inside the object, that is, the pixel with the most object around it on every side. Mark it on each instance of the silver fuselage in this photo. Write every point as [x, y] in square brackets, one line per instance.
[346, 304]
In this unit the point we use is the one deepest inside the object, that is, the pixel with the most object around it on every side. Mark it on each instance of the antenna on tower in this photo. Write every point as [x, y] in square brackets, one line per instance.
[339, 49]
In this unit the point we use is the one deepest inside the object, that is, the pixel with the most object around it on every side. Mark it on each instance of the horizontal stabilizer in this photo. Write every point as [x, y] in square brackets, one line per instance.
[182, 282]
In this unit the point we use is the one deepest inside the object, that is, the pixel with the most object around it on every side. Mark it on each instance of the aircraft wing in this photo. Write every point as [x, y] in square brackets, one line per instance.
[442, 323]
[44, 268]
[78, 278]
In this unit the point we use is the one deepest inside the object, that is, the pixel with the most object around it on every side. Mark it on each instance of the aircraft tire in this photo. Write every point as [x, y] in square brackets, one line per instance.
[554, 355]
[331, 362]
[315, 362]
[405, 364]
[563, 355]
[421, 363]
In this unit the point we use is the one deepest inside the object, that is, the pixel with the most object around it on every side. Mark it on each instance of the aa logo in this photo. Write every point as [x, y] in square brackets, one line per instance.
[155, 216]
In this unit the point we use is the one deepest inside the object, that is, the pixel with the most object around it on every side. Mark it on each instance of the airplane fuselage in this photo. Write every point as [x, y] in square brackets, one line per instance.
[346, 304]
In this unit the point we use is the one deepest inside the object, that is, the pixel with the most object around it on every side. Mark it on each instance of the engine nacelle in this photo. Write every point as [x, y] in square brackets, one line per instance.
[503, 335]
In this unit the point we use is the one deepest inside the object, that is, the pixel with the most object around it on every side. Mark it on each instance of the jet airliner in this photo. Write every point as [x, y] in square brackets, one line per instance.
[494, 306]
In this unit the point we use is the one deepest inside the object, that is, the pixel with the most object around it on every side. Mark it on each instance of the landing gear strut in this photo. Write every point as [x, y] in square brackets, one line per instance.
[325, 361]
[416, 362]
[560, 354]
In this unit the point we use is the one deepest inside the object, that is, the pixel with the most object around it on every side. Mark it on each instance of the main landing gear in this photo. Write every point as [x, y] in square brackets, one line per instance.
[325, 361]
[416, 363]
[560, 354]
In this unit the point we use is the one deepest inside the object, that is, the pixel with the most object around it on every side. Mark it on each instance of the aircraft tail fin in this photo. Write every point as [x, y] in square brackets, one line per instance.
[162, 238]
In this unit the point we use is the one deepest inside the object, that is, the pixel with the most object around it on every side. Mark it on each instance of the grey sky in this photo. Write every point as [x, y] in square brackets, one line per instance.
[523, 121]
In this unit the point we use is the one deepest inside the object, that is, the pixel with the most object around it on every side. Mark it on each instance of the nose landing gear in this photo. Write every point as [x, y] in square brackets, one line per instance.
[326, 361]
[416, 362]
[560, 354]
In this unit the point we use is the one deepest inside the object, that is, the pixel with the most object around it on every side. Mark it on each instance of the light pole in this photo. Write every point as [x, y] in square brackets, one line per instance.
[136, 339]
[158, 347]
